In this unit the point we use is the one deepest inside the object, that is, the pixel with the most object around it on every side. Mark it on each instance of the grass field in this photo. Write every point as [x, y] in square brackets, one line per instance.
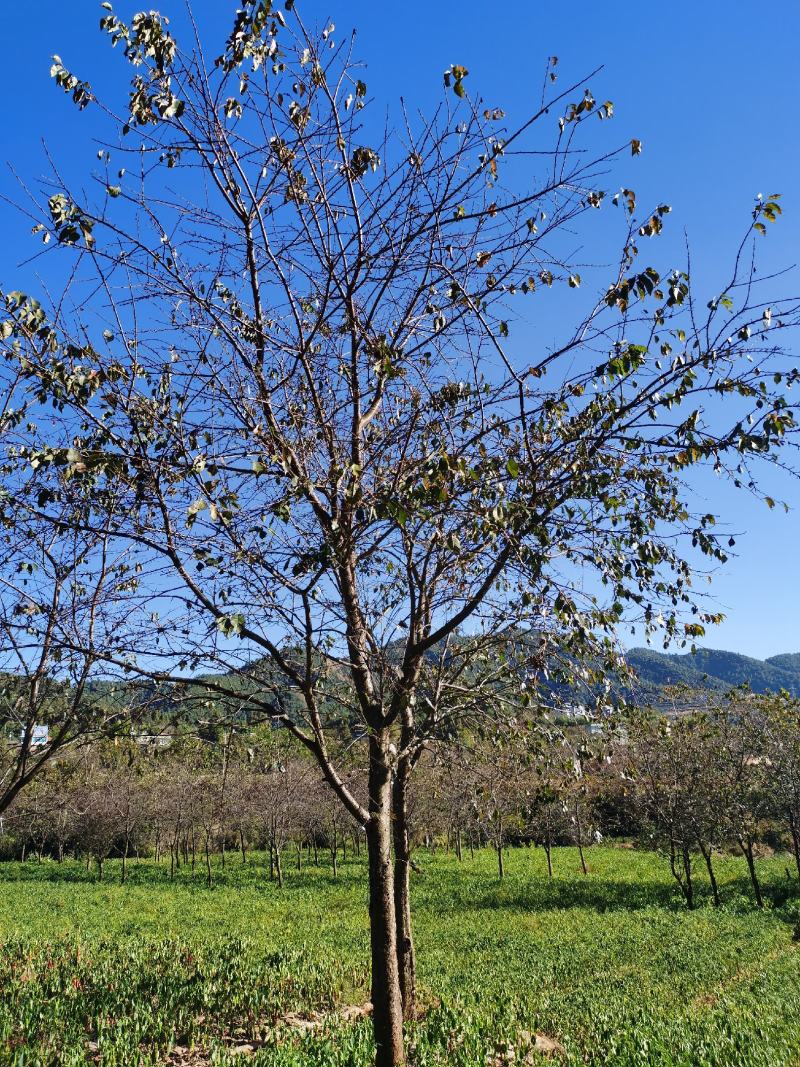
[610, 965]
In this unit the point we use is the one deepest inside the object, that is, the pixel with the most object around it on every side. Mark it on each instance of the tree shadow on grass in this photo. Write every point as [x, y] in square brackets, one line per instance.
[601, 894]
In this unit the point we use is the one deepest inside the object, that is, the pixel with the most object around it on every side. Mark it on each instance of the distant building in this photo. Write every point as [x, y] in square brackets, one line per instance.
[40, 736]
[153, 740]
[573, 711]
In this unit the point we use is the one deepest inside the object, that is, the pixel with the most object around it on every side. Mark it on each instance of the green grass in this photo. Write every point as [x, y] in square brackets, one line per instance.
[610, 964]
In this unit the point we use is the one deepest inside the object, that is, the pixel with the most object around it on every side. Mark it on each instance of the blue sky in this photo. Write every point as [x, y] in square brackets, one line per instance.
[709, 87]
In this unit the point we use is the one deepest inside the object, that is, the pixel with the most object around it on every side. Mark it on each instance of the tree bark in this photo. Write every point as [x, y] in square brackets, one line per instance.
[209, 875]
[682, 875]
[579, 836]
[278, 867]
[747, 849]
[583, 859]
[406, 957]
[707, 856]
[689, 885]
[387, 1002]
[795, 842]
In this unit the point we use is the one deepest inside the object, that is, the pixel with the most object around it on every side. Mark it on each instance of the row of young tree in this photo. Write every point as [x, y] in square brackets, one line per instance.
[693, 786]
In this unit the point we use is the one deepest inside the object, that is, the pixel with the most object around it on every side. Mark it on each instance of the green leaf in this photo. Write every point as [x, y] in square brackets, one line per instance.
[231, 625]
[512, 467]
[194, 510]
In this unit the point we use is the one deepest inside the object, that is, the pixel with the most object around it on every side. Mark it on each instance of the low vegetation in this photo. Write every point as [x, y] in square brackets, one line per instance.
[609, 966]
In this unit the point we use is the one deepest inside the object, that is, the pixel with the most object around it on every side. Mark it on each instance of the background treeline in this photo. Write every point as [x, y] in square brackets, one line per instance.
[690, 786]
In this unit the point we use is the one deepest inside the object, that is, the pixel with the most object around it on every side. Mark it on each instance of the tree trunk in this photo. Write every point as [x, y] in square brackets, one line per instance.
[406, 957]
[579, 836]
[707, 856]
[124, 872]
[795, 841]
[548, 848]
[242, 843]
[689, 885]
[683, 874]
[209, 874]
[387, 1001]
[278, 867]
[583, 859]
[747, 849]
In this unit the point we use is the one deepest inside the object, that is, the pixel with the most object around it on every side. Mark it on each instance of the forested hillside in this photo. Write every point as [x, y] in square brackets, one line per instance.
[710, 668]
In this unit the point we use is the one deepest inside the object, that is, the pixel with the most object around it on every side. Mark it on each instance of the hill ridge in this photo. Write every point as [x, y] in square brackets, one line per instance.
[717, 669]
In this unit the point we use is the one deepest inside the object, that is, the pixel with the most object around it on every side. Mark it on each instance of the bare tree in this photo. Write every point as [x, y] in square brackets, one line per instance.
[546, 805]
[781, 751]
[296, 396]
[663, 763]
[59, 588]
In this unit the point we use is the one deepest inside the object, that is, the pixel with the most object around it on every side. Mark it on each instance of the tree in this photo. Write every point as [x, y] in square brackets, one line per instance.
[295, 396]
[781, 752]
[667, 762]
[98, 822]
[59, 587]
[547, 807]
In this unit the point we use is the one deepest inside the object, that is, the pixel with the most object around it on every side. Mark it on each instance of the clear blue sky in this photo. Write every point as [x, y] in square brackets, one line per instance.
[710, 87]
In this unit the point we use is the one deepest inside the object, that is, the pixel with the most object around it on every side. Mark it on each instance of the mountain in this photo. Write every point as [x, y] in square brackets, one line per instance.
[788, 661]
[710, 668]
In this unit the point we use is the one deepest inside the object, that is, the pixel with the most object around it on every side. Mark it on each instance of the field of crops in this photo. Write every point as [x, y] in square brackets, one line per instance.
[609, 965]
